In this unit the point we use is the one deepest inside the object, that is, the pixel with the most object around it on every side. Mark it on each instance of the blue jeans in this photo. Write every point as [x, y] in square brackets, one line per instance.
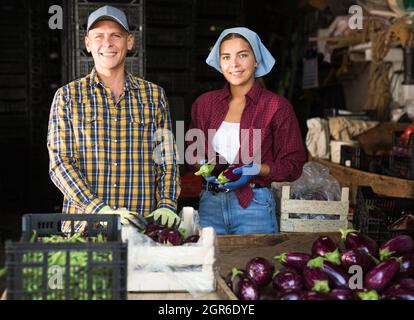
[223, 212]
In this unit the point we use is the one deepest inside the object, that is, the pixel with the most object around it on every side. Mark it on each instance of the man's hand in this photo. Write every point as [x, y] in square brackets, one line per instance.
[124, 213]
[248, 172]
[165, 217]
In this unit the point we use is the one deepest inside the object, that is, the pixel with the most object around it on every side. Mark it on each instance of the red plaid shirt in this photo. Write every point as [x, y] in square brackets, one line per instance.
[281, 143]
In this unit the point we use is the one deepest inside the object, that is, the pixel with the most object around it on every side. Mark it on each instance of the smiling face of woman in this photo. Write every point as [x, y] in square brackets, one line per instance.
[237, 61]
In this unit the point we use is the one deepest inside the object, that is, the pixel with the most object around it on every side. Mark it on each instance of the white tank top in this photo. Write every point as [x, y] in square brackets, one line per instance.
[226, 140]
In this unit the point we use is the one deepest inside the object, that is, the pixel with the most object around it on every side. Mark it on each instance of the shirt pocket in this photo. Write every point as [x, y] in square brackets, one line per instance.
[142, 125]
[90, 130]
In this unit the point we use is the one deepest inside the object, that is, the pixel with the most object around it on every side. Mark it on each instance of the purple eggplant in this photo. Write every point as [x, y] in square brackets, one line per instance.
[379, 277]
[192, 239]
[289, 295]
[309, 295]
[170, 236]
[405, 283]
[297, 260]
[153, 230]
[357, 257]
[260, 271]
[228, 175]
[325, 247]
[243, 287]
[337, 277]
[407, 265]
[342, 294]
[316, 280]
[287, 280]
[355, 240]
[396, 246]
[368, 295]
[397, 292]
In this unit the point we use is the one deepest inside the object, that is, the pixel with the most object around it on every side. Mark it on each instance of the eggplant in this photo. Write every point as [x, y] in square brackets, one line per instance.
[325, 247]
[407, 265]
[243, 287]
[357, 257]
[368, 295]
[396, 246]
[405, 223]
[227, 280]
[289, 295]
[379, 277]
[397, 292]
[287, 280]
[192, 239]
[153, 230]
[355, 240]
[405, 283]
[342, 294]
[228, 175]
[170, 236]
[260, 271]
[297, 260]
[316, 279]
[309, 295]
[338, 278]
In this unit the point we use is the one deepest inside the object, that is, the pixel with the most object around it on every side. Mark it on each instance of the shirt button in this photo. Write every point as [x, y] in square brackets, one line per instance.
[115, 185]
[115, 164]
[116, 140]
[115, 119]
[115, 207]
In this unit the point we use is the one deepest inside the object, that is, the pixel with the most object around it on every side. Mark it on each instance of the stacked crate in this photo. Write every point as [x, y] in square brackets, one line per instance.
[14, 102]
[169, 42]
[44, 78]
[212, 18]
[80, 62]
[402, 154]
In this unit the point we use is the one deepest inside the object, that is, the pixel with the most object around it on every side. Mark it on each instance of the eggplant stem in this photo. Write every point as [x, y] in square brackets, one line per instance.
[321, 286]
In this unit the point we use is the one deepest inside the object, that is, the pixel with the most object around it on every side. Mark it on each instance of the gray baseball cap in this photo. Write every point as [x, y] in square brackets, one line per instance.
[105, 13]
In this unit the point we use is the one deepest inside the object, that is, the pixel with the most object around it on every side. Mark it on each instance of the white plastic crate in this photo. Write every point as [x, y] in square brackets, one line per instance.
[174, 268]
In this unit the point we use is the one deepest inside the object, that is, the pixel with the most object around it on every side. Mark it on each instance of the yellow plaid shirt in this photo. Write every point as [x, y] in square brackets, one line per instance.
[102, 151]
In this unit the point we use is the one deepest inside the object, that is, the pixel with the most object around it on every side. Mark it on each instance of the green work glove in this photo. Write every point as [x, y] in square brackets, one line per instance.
[124, 213]
[165, 217]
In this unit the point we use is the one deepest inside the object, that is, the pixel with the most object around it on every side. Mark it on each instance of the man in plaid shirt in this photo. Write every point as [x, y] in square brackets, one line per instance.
[104, 130]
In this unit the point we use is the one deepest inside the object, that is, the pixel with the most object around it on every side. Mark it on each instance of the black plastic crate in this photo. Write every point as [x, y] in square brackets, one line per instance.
[385, 210]
[174, 59]
[86, 270]
[352, 157]
[402, 156]
[172, 82]
[163, 36]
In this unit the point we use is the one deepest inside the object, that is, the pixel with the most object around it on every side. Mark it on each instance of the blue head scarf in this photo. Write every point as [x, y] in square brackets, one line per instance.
[264, 58]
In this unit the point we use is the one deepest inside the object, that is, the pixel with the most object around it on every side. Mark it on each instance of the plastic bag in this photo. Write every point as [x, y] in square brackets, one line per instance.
[153, 266]
[315, 183]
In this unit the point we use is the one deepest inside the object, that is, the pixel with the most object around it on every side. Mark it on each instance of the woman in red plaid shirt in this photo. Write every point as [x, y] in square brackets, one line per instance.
[247, 125]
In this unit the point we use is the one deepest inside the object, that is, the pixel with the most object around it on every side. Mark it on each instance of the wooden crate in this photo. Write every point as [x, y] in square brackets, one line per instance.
[313, 207]
[174, 268]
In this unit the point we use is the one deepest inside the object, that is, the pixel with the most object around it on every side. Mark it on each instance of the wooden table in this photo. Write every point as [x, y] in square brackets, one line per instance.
[384, 185]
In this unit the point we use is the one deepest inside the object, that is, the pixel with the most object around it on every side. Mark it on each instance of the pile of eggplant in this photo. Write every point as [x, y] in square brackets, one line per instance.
[361, 271]
[169, 236]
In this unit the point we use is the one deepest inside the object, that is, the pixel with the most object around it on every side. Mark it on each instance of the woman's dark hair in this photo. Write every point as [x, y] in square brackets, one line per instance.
[233, 36]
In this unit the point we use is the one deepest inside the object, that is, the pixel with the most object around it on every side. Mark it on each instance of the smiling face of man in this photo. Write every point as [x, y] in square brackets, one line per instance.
[108, 42]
